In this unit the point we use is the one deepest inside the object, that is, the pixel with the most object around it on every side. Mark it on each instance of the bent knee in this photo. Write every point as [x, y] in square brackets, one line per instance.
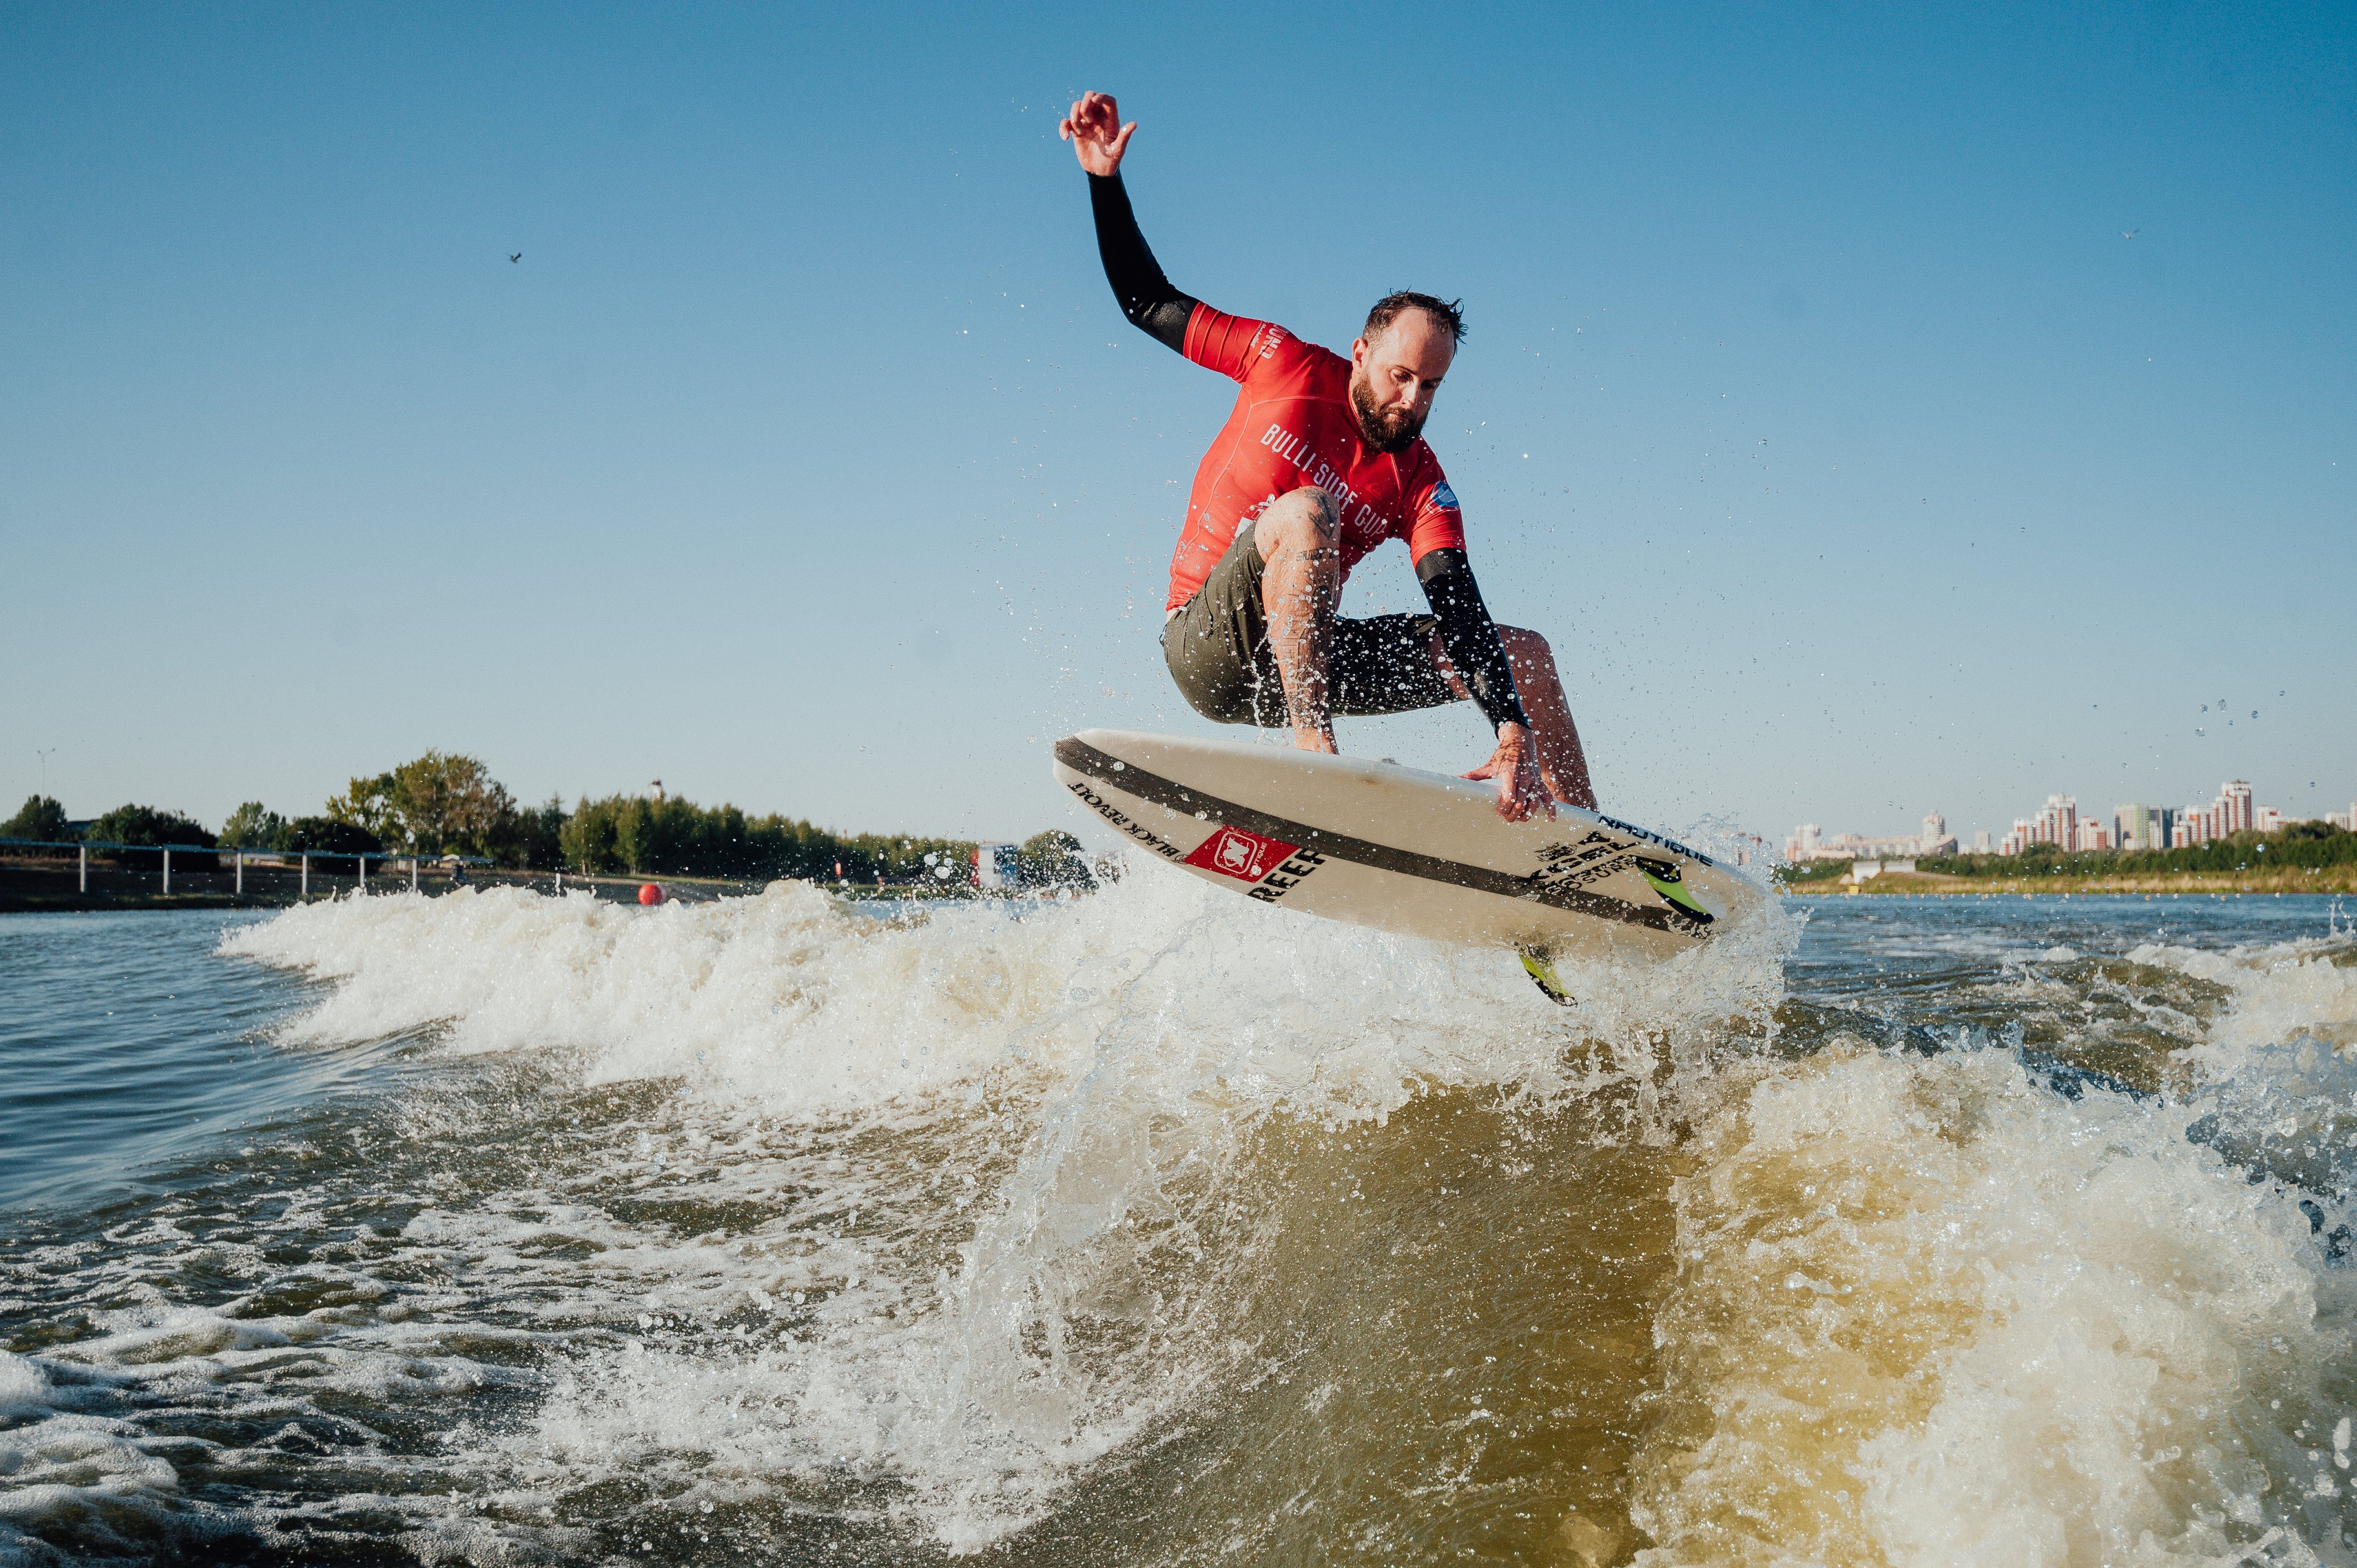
[1317, 507]
[1306, 517]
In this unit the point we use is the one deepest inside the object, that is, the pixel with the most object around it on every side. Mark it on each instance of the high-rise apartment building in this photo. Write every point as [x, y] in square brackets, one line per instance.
[2137, 826]
[2234, 806]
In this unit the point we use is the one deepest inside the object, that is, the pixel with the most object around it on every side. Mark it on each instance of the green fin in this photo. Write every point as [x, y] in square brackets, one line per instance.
[1540, 966]
[1670, 884]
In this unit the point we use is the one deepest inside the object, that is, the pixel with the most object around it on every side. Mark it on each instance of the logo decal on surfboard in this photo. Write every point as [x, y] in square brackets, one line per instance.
[1247, 857]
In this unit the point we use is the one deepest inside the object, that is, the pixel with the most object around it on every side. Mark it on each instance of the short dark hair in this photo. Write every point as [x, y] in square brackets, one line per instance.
[1444, 311]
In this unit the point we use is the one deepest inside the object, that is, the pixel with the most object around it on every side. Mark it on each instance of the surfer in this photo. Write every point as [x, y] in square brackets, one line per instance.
[1324, 458]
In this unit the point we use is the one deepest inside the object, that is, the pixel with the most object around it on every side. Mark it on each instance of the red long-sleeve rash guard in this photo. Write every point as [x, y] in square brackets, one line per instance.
[1294, 426]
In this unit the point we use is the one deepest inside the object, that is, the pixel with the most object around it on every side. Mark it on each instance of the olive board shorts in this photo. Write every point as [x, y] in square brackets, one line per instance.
[1218, 650]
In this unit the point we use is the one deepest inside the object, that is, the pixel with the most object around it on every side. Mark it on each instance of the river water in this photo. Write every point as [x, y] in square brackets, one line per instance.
[1158, 1227]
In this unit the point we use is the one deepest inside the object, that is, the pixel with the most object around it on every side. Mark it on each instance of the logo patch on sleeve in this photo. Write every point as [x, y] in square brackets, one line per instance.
[1442, 496]
[1247, 857]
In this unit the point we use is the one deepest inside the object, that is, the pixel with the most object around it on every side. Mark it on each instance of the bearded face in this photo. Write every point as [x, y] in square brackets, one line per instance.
[1395, 377]
[1385, 430]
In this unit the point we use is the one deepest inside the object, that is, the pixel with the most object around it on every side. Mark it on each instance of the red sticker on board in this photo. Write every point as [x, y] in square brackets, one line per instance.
[1247, 857]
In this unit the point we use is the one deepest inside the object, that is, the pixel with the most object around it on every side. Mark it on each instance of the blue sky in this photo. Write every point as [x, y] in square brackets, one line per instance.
[1813, 403]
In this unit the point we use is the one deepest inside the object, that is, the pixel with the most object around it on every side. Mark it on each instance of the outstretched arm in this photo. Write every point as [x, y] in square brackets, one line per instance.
[1153, 306]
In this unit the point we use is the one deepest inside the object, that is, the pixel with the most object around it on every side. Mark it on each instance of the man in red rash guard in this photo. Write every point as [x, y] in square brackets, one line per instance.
[1322, 460]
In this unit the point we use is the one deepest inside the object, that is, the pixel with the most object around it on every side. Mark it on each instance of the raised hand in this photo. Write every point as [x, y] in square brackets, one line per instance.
[1096, 133]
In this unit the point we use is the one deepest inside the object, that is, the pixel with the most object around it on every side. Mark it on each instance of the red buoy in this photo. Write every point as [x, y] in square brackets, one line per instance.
[652, 893]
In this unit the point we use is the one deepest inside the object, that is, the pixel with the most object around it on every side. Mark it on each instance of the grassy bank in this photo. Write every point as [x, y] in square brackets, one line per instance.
[2291, 879]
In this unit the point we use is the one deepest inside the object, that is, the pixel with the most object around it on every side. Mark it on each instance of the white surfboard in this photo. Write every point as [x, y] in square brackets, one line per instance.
[1421, 854]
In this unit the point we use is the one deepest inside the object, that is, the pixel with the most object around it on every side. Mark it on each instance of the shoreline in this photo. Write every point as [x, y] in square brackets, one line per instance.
[51, 886]
[34, 886]
[2323, 881]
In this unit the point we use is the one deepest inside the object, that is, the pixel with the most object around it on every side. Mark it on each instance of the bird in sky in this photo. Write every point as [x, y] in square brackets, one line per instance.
[2124, 235]
[517, 257]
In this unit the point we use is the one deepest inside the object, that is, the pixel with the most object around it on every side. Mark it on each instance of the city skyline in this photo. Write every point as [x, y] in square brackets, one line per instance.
[2130, 825]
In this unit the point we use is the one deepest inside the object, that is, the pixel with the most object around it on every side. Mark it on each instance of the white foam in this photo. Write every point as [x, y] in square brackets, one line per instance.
[787, 1001]
[2280, 992]
[1076, 1058]
[1928, 1311]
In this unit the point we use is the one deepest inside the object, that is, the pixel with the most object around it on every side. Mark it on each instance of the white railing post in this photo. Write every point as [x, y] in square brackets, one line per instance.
[305, 893]
[240, 873]
[361, 862]
[81, 853]
[167, 871]
[412, 874]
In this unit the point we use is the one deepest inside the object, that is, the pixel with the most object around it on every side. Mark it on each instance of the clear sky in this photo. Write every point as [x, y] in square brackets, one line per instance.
[1812, 402]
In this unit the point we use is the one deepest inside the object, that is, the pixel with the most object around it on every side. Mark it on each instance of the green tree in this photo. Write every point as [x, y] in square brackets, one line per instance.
[1052, 859]
[134, 824]
[531, 839]
[587, 840]
[252, 826]
[623, 833]
[366, 805]
[325, 835]
[446, 803]
[39, 817]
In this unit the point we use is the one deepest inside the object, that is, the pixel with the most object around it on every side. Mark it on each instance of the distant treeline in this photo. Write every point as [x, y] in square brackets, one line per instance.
[625, 832]
[43, 819]
[444, 804]
[2293, 845]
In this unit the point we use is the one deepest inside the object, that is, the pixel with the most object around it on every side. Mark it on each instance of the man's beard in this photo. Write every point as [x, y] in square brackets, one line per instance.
[1385, 432]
